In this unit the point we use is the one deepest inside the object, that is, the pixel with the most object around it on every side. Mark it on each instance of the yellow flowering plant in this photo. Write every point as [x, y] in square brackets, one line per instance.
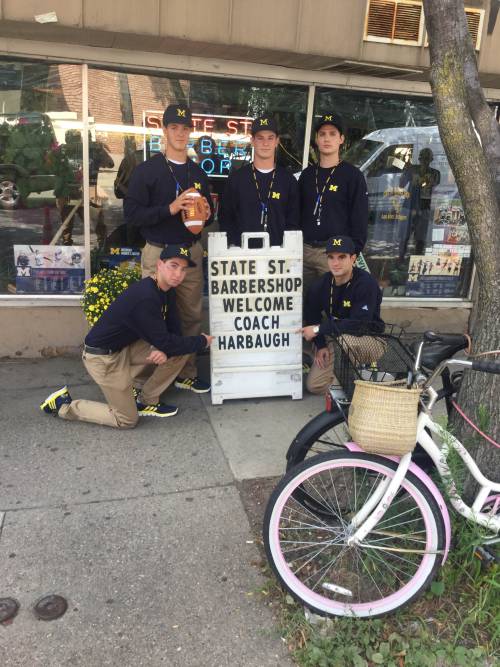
[103, 288]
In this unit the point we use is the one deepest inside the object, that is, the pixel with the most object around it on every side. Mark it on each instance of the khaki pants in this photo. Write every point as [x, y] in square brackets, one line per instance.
[189, 295]
[315, 265]
[367, 350]
[115, 373]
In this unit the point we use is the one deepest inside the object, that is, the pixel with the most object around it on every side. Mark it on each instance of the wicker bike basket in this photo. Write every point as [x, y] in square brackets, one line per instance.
[383, 417]
[371, 354]
[372, 366]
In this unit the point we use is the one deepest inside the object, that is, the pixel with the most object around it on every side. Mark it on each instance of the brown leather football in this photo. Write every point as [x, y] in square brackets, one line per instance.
[195, 216]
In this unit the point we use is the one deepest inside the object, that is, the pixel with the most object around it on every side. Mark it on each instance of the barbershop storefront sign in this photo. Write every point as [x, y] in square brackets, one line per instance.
[255, 311]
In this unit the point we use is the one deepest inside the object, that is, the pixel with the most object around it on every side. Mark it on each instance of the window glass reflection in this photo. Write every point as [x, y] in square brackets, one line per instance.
[126, 111]
[40, 183]
[418, 243]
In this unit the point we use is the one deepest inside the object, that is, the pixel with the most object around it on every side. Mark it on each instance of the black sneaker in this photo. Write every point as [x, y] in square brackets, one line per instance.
[192, 384]
[307, 363]
[52, 404]
[156, 410]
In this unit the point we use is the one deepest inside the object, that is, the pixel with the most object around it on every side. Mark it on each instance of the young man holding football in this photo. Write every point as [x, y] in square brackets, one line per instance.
[160, 189]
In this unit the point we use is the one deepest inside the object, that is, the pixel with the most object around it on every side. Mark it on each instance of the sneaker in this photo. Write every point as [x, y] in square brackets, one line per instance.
[192, 384]
[52, 404]
[338, 394]
[307, 363]
[156, 410]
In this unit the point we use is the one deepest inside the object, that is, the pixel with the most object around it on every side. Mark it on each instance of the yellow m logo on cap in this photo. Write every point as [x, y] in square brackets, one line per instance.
[263, 121]
[197, 186]
[181, 112]
[336, 241]
[185, 251]
[275, 195]
[347, 304]
[333, 188]
[327, 117]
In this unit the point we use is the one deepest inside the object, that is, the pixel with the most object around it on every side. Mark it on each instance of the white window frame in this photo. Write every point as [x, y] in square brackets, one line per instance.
[390, 40]
[473, 10]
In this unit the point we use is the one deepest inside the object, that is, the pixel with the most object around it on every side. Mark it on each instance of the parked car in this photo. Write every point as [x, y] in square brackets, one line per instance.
[30, 159]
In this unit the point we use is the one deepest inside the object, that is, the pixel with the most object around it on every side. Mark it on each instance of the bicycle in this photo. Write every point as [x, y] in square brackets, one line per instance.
[375, 529]
[328, 430]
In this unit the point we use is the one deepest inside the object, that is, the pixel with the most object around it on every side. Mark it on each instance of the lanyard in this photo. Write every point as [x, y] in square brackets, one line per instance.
[164, 307]
[178, 187]
[263, 206]
[331, 296]
[319, 195]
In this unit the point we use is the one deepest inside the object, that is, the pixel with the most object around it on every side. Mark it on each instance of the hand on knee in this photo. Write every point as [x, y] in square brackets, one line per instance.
[126, 421]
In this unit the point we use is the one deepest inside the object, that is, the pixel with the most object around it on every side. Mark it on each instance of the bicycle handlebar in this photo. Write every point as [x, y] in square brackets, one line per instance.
[486, 366]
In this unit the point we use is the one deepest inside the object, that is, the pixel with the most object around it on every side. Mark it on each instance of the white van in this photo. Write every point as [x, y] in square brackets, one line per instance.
[414, 205]
[390, 159]
[384, 154]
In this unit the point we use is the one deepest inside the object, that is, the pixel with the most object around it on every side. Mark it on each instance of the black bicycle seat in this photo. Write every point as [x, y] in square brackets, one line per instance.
[438, 347]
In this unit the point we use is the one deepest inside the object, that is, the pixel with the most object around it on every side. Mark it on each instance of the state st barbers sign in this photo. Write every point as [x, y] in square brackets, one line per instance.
[255, 311]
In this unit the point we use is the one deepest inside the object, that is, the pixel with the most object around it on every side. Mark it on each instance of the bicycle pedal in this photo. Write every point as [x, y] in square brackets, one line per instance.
[486, 556]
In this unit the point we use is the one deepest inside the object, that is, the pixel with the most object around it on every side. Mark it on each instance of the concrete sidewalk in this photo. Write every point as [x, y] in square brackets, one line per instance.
[142, 531]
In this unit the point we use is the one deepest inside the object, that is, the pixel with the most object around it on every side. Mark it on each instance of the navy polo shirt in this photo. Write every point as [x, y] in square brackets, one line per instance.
[152, 188]
[241, 209]
[143, 312]
[346, 307]
[344, 206]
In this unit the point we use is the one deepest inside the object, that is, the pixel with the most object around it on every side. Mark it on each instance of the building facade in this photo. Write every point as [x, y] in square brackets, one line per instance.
[82, 90]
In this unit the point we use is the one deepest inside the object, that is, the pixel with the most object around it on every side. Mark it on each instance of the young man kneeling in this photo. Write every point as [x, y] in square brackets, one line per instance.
[139, 329]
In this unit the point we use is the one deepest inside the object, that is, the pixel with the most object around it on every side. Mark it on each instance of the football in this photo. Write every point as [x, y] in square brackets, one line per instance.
[195, 216]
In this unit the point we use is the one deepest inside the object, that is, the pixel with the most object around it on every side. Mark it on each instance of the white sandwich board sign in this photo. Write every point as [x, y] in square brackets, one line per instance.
[255, 297]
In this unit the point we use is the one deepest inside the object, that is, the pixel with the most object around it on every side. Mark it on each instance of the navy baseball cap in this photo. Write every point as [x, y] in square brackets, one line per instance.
[264, 123]
[177, 113]
[330, 119]
[173, 250]
[340, 244]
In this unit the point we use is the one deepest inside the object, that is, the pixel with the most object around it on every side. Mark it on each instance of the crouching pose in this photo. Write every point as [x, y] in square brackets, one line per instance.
[140, 329]
[344, 302]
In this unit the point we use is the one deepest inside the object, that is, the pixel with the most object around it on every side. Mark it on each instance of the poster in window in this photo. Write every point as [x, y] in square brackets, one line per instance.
[434, 275]
[449, 225]
[49, 269]
[121, 258]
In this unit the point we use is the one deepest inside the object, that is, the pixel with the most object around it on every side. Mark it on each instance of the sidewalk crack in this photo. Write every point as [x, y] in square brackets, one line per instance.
[160, 494]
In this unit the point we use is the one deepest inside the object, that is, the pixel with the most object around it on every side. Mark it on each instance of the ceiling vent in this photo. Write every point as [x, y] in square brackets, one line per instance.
[353, 67]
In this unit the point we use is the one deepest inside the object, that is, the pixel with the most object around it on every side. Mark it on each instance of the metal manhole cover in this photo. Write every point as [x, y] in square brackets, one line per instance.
[8, 609]
[50, 607]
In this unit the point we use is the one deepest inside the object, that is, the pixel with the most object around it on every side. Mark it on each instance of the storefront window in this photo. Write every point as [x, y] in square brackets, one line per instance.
[125, 112]
[418, 243]
[41, 213]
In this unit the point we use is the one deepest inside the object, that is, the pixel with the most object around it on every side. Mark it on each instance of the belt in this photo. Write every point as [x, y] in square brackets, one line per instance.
[187, 244]
[97, 350]
[316, 244]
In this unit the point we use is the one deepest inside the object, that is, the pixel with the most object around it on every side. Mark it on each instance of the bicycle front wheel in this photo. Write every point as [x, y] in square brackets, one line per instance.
[326, 432]
[308, 522]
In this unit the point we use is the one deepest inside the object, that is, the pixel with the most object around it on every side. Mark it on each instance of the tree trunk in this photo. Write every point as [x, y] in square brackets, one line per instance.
[462, 113]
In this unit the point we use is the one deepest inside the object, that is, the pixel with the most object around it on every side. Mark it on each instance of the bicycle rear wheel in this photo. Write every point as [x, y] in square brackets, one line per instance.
[307, 524]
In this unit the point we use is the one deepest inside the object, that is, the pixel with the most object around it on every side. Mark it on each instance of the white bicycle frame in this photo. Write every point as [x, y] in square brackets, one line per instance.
[371, 513]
